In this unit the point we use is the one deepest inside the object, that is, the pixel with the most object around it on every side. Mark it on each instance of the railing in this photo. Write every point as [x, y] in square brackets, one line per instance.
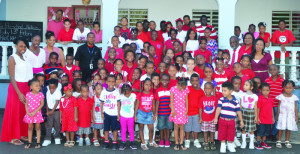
[293, 74]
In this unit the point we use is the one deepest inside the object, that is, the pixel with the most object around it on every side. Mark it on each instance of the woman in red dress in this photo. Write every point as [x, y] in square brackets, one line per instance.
[20, 72]
[248, 39]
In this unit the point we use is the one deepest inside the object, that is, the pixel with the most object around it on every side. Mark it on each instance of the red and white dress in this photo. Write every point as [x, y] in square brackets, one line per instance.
[67, 106]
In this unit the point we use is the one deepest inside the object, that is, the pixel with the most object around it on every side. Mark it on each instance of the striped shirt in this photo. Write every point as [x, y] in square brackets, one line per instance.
[201, 30]
[220, 78]
[275, 88]
[163, 96]
[228, 107]
[48, 69]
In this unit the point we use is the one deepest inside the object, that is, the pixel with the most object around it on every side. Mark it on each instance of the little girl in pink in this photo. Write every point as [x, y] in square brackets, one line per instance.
[33, 106]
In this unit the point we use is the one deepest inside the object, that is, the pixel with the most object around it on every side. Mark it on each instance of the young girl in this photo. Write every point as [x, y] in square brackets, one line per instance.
[200, 64]
[177, 48]
[169, 43]
[181, 33]
[76, 86]
[64, 78]
[146, 52]
[119, 81]
[190, 64]
[84, 115]
[191, 44]
[109, 63]
[152, 57]
[249, 112]
[173, 69]
[227, 66]
[100, 65]
[128, 101]
[119, 51]
[237, 68]
[136, 88]
[167, 60]
[186, 55]
[33, 106]
[97, 121]
[125, 31]
[263, 34]
[203, 51]
[180, 61]
[77, 74]
[98, 33]
[130, 64]
[145, 113]
[179, 109]
[118, 64]
[70, 67]
[246, 70]
[162, 68]
[220, 76]
[208, 71]
[212, 45]
[171, 53]
[139, 43]
[68, 114]
[103, 75]
[287, 113]
[258, 82]
[149, 66]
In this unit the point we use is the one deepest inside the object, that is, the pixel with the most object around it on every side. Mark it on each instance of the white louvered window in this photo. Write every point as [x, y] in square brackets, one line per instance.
[133, 15]
[212, 17]
[292, 19]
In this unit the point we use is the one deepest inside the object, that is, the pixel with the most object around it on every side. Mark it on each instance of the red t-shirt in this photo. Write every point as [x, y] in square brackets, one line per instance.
[143, 36]
[136, 85]
[200, 72]
[172, 83]
[177, 54]
[129, 70]
[185, 27]
[109, 66]
[243, 51]
[159, 36]
[126, 34]
[84, 108]
[208, 106]
[119, 54]
[266, 106]
[275, 88]
[70, 72]
[146, 101]
[248, 72]
[267, 36]
[65, 36]
[205, 53]
[282, 38]
[194, 97]
[159, 48]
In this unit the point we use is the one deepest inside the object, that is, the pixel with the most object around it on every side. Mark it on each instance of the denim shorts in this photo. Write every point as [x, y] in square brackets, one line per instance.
[144, 117]
[193, 124]
[111, 122]
[264, 130]
[163, 122]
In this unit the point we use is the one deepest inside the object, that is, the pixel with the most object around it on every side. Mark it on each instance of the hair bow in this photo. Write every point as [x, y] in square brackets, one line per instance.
[68, 87]
[167, 22]
[179, 19]
[194, 29]
[217, 59]
[226, 50]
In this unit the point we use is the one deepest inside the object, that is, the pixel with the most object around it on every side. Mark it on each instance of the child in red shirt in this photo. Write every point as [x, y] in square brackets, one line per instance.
[100, 65]
[85, 115]
[177, 48]
[119, 52]
[193, 124]
[65, 36]
[220, 76]
[227, 66]
[171, 53]
[162, 68]
[158, 45]
[237, 68]
[130, 64]
[245, 61]
[186, 20]
[70, 67]
[109, 63]
[173, 69]
[125, 31]
[203, 51]
[152, 55]
[52, 66]
[208, 105]
[265, 116]
[199, 68]
[136, 83]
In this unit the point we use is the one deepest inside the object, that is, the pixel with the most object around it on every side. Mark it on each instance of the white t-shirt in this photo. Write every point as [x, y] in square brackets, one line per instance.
[248, 101]
[181, 35]
[238, 95]
[97, 109]
[110, 101]
[192, 45]
[76, 94]
[124, 73]
[185, 74]
[144, 77]
[23, 69]
[121, 39]
[139, 44]
[80, 36]
[52, 98]
[165, 36]
[127, 105]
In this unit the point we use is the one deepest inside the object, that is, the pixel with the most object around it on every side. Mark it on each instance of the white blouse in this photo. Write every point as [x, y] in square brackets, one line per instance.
[37, 61]
[23, 69]
[192, 45]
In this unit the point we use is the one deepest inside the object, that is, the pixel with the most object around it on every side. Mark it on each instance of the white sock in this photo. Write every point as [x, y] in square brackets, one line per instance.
[223, 144]
[251, 138]
[244, 137]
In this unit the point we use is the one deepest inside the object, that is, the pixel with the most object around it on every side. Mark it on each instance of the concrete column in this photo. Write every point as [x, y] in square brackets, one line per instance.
[109, 20]
[2, 9]
[226, 22]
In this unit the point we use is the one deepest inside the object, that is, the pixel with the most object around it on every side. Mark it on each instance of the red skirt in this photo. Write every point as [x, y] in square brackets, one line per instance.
[13, 126]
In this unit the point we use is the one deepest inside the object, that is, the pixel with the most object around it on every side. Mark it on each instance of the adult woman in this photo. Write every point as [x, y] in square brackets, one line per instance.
[211, 43]
[35, 55]
[50, 40]
[20, 72]
[248, 40]
[141, 34]
[260, 60]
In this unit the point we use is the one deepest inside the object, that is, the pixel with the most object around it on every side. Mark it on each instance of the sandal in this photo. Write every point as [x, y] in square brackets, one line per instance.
[16, 142]
[288, 144]
[23, 138]
[38, 146]
[278, 144]
[183, 146]
[71, 143]
[144, 147]
[176, 147]
[67, 144]
[153, 144]
[96, 143]
[28, 145]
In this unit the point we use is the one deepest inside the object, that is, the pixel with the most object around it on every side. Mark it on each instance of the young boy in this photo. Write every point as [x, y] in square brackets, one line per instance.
[186, 20]
[208, 105]
[98, 33]
[110, 111]
[158, 45]
[70, 67]
[100, 65]
[125, 31]
[52, 66]
[80, 33]
[265, 117]
[275, 83]
[163, 111]
[117, 32]
[53, 96]
[228, 108]
[109, 63]
[65, 35]
[193, 124]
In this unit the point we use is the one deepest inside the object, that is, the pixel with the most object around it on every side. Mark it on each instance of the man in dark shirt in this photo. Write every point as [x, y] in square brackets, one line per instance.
[87, 56]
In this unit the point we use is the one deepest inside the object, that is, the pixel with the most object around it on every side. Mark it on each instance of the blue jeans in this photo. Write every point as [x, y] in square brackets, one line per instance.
[274, 129]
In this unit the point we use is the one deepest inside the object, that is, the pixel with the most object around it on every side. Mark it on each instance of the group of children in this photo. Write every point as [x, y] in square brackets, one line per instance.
[165, 88]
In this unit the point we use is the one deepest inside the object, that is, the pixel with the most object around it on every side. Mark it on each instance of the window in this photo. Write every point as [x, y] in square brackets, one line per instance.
[292, 19]
[212, 17]
[133, 15]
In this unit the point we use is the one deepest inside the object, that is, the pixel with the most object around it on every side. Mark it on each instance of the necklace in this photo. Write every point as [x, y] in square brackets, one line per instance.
[66, 104]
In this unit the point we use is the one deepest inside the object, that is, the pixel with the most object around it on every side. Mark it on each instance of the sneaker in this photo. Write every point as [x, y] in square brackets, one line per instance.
[122, 146]
[230, 147]
[258, 145]
[244, 144]
[251, 145]
[144, 147]
[223, 148]
[167, 144]
[87, 141]
[265, 145]
[187, 143]
[237, 142]
[133, 146]
[206, 146]
[197, 144]
[105, 145]
[161, 143]
[46, 143]
[213, 145]
[80, 143]
[114, 146]
[57, 141]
